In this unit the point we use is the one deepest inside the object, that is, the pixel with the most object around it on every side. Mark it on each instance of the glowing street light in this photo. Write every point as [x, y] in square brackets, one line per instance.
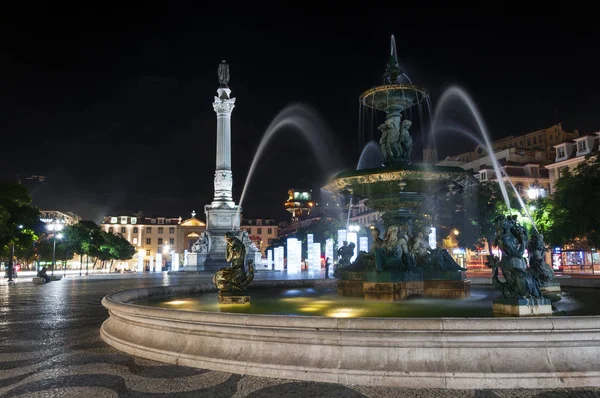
[55, 227]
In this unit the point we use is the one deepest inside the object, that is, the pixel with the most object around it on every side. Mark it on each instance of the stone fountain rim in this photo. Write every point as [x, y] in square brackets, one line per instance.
[397, 352]
[122, 301]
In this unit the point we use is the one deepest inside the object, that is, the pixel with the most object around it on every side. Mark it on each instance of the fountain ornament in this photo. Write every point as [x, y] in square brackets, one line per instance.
[522, 289]
[231, 282]
[405, 194]
[393, 98]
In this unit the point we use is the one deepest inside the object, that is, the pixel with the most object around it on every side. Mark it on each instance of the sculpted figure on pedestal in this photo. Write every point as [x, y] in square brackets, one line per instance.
[234, 278]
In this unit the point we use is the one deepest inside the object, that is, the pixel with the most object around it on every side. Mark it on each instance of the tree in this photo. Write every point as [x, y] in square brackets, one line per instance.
[575, 204]
[19, 220]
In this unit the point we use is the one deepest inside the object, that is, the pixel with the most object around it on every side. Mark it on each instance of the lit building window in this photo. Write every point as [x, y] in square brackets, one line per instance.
[148, 252]
[560, 151]
[581, 146]
[124, 220]
[135, 241]
[113, 220]
[134, 220]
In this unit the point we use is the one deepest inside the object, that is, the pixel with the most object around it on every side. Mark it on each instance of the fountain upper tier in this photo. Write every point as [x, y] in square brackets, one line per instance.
[393, 97]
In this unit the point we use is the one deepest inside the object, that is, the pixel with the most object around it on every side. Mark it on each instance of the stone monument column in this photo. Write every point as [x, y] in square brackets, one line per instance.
[222, 214]
[223, 106]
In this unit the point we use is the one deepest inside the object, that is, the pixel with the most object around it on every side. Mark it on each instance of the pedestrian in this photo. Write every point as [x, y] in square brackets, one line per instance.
[327, 264]
[43, 274]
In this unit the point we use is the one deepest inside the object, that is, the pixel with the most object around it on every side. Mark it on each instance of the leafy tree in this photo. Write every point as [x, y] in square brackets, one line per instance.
[19, 220]
[575, 204]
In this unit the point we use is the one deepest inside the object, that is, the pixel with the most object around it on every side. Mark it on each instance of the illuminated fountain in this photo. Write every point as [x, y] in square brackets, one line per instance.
[402, 264]
[304, 330]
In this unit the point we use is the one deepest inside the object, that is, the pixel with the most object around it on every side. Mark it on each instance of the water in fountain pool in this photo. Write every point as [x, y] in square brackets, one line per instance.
[326, 302]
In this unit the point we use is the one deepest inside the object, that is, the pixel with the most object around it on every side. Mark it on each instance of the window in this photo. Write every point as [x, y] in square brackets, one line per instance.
[269, 231]
[148, 252]
[124, 220]
[171, 241]
[153, 221]
[123, 230]
[160, 230]
[258, 231]
[113, 220]
[135, 241]
[483, 176]
[528, 141]
[110, 230]
[161, 220]
[148, 230]
[135, 230]
[560, 152]
[521, 144]
[160, 241]
[134, 220]
[171, 230]
[534, 140]
[148, 241]
[581, 146]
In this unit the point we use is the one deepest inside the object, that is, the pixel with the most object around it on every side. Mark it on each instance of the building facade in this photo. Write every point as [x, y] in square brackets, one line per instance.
[260, 231]
[570, 154]
[539, 144]
[150, 236]
[55, 216]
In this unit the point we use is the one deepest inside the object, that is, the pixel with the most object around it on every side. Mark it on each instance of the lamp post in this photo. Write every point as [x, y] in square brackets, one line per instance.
[54, 227]
[11, 266]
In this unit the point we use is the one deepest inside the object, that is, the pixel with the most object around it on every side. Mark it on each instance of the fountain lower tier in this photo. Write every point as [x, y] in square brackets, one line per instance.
[398, 187]
[442, 352]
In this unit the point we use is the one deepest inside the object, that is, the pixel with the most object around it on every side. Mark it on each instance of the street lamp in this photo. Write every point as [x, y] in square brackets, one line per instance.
[11, 266]
[54, 227]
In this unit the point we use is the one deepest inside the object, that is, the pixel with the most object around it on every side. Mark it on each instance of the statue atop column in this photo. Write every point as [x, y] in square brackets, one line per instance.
[223, 73]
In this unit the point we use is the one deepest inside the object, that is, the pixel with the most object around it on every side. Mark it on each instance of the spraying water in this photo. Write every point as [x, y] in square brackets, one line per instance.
[370, 156]
[310, 125]
[457, 92]
[521, 202]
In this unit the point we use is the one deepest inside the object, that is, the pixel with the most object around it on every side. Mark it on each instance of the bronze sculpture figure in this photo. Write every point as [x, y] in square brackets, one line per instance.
[234, 278]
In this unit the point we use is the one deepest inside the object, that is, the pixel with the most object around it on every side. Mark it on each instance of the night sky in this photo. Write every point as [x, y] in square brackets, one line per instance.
[116, 108]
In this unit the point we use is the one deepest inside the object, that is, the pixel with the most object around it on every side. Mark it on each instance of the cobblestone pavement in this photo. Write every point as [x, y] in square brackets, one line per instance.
[50, 347]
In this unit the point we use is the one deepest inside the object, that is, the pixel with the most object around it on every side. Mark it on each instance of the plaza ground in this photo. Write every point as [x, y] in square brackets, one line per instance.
[50, 346]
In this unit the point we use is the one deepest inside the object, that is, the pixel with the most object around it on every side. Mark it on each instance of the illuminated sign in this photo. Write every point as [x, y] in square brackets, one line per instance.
[302, 195]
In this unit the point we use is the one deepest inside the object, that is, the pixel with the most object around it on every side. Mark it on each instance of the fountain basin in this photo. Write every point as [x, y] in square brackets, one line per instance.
[455, 353]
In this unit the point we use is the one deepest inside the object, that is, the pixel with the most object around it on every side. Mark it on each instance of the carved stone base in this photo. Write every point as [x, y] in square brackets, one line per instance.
[350, 288]
[448, 289]
[386, 290]
[522, 307]
[233, 298]
[395, 291]
[551, 287]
